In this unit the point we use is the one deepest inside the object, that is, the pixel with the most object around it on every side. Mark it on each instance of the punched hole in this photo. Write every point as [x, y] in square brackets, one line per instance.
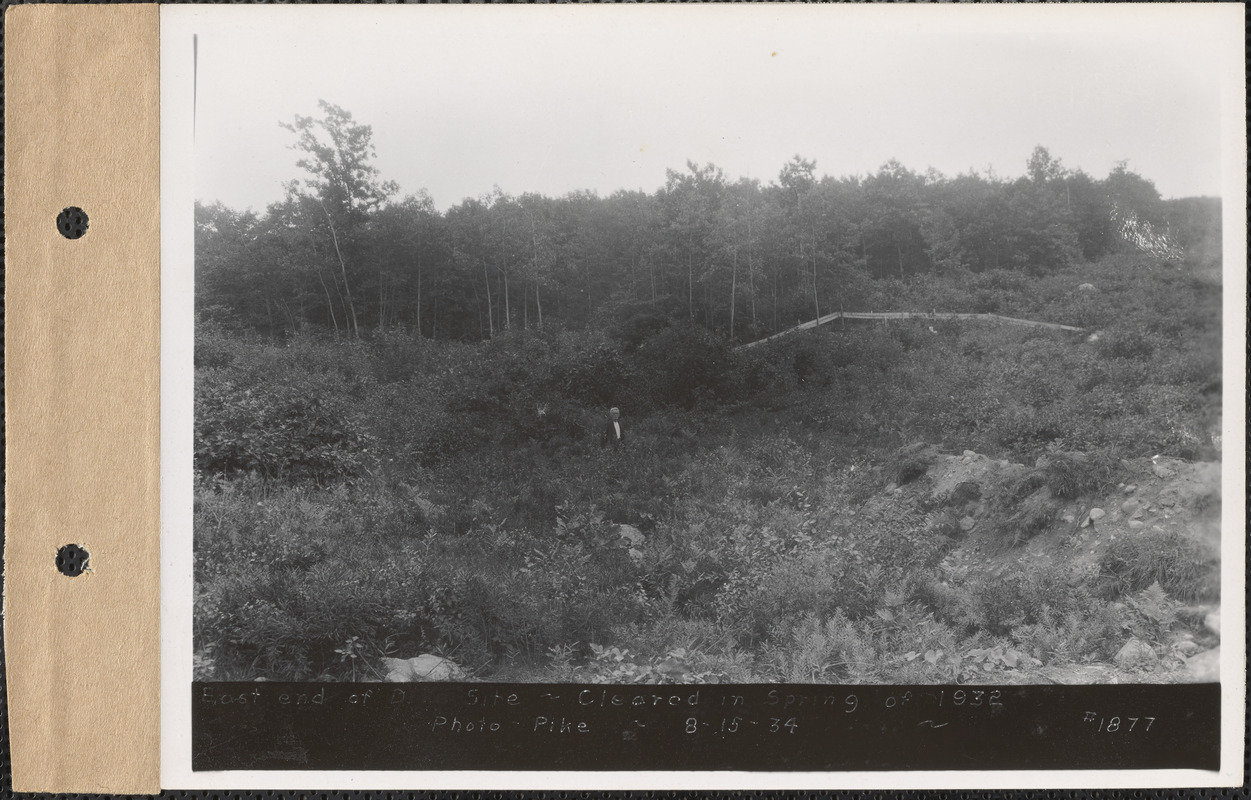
[71, 560]
[72, 222]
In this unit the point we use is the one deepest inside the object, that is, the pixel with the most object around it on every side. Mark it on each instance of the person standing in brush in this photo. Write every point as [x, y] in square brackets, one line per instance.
[613, 434]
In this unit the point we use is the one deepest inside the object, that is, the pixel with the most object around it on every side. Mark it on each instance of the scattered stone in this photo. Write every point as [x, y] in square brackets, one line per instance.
[1162, 471]
[1137, 523]
[1186, 648]
[1213, 622]
[1130, 488]
[1135, 654]
[890, 487]
[1094, 515]
[969, 454]
[630, 535]
[422, 668]
[1131, 505]
[1069, 518]
[1167, 499]
[1205, 667]
[966, 524]
[1087, 287]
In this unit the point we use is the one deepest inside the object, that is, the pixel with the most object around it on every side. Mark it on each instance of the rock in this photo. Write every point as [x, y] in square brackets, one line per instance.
[1131, 505]
[1130, 488]
[422, 668]
[1087, 287]
[1213, 622]
[1069, 518]
[1096, 514]
[1162, 471]
[1186, 648]
[1137, 523]
[629, 535]
[969, 454]
[1205, 667]
[966, 524]
[890, 487]
[1167, 498]
[1135, 654]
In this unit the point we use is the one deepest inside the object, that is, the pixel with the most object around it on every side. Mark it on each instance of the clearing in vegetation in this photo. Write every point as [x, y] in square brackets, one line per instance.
[915, 502]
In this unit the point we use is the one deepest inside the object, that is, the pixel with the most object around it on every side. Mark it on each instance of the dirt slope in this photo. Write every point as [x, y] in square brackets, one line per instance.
[1161, 495]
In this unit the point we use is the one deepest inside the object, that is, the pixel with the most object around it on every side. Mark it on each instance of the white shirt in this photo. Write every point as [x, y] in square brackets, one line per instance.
[616, 426]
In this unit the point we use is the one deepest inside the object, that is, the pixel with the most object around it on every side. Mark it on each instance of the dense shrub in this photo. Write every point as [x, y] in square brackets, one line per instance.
[1171, 559]
[682, 365]
[402, 496]
[279, 432]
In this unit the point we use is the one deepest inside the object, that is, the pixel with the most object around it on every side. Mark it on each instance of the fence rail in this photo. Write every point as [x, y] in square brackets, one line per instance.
[889, 315]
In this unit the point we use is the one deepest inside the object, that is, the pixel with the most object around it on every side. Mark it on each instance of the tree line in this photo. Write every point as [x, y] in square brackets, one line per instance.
[342, 253]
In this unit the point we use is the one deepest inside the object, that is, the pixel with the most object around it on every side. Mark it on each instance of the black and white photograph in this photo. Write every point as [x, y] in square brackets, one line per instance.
[655, 352]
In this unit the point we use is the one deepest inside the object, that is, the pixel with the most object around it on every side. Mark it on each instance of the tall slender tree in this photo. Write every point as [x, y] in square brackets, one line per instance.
[342, 182]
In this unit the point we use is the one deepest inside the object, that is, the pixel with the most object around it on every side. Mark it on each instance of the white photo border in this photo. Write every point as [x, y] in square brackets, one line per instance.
[180, 22]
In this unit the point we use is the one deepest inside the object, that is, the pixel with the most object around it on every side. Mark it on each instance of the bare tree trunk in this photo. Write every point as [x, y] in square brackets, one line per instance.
[751, 273]
[329, 304]
[382, 302]
[286, 310]
[690, 283]
[508, 316]
[707, 301]
[477, 304]
[812, 254]
[419, 333]
[733, 288]
[816, 302]
[534, 249]
[486, 279]
[347, 289]
[773, 287]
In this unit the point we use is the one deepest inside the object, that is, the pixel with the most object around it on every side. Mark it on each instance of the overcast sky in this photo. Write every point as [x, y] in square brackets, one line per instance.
[553, 99]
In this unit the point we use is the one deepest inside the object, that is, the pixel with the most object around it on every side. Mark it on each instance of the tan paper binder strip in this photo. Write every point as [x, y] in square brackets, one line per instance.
[82, 396]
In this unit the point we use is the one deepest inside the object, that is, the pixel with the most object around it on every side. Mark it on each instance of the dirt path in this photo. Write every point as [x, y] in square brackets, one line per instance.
[889, 315]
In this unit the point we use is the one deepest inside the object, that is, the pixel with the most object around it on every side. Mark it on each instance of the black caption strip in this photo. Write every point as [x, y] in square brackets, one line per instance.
[485, 726]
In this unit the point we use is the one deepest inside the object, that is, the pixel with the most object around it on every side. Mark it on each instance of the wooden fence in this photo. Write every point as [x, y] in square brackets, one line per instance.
[889, 315]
